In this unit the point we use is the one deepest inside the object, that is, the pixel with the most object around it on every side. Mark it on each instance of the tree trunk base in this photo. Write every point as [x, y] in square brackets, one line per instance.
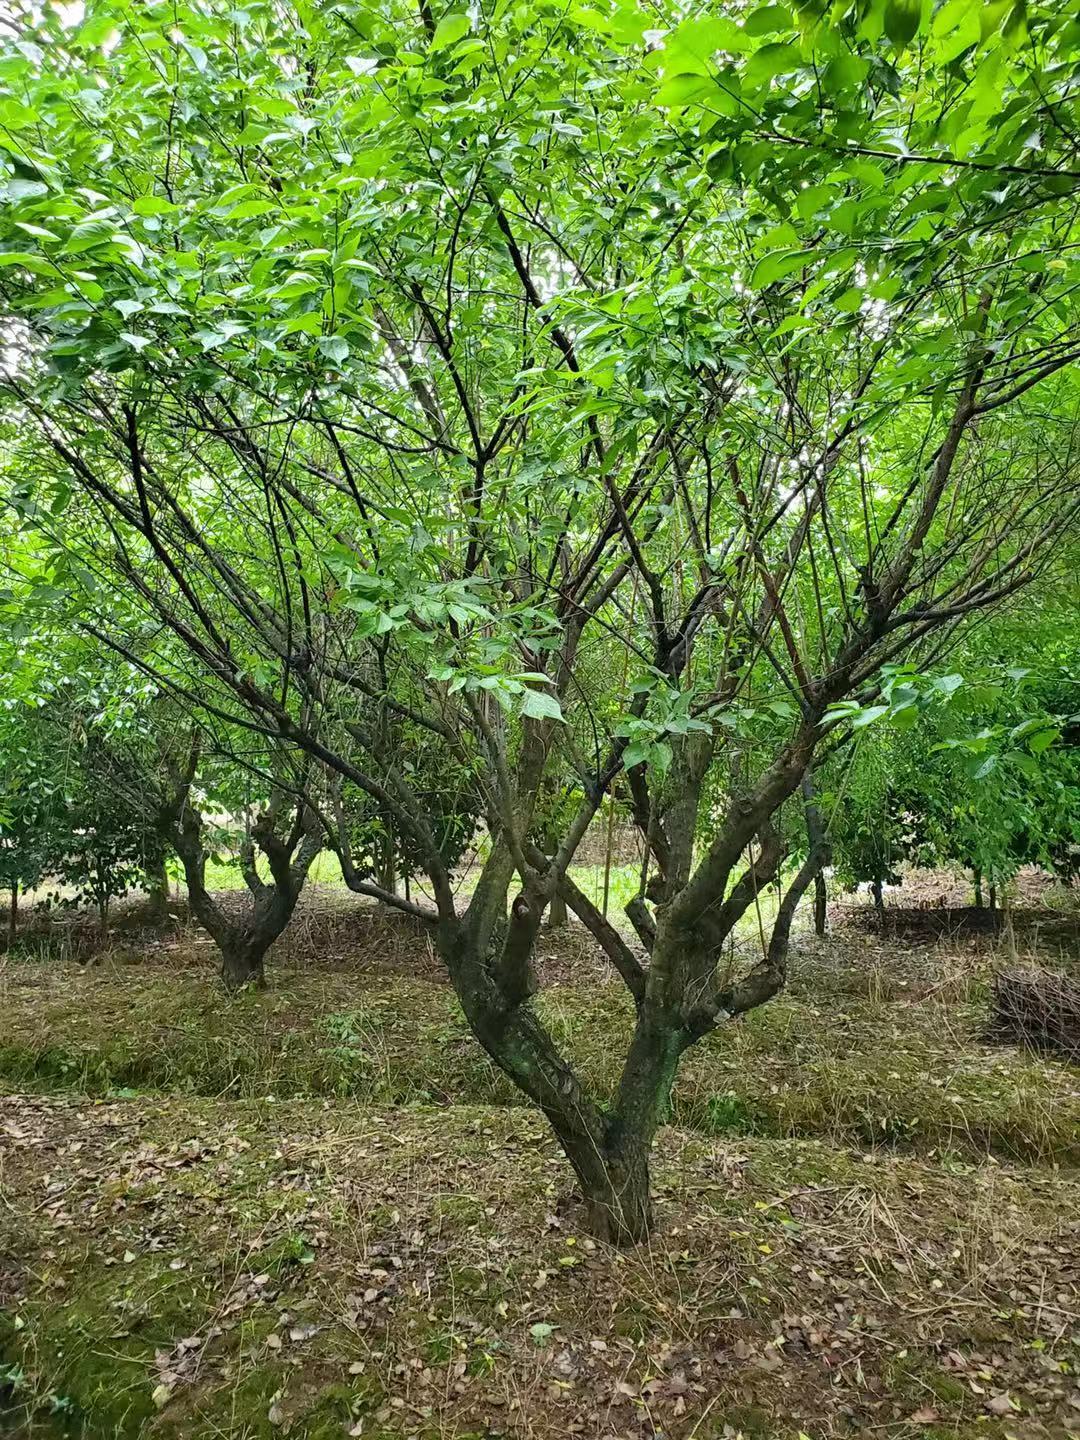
[618, 1203]
[238, 972]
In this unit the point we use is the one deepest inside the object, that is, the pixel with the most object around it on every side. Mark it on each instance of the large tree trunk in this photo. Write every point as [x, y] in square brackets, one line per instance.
[242, 963]
[609, 1154]
[488, 954]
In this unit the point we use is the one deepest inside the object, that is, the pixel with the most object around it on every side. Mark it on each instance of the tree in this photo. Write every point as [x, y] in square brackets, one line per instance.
[973, 767]
[102, 783]
[285, 832]
[151, 770]
[29, 804]
[61, 816]
[416, 366]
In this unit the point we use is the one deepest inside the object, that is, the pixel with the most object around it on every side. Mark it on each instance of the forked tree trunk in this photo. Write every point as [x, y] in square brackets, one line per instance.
[243, 944]
[679, 996]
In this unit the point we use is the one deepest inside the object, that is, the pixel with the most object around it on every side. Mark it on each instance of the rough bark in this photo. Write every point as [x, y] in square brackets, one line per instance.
[617, 1190]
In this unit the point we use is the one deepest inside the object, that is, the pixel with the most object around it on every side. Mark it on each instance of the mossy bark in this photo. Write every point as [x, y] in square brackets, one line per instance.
[618, 1195]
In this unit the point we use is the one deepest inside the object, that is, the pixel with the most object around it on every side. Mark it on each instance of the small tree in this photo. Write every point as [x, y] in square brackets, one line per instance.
[285, 833]
[60, 817]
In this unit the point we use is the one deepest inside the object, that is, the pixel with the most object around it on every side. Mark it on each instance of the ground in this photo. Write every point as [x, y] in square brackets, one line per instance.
[318, 1211]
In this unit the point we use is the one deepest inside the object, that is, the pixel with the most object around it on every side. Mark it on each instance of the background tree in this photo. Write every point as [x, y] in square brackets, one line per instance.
[64, 818]
[975, 767]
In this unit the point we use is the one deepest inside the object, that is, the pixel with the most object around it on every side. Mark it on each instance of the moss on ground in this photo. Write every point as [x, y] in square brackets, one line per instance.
[213, 1268]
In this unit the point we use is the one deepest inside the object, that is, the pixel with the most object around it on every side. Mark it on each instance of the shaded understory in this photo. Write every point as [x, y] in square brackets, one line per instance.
[318, 1211]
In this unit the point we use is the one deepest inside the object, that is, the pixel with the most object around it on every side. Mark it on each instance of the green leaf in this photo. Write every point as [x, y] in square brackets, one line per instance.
[1042, 740]
[153, 205]
[694, 45]
[902, 20]
[776, 265]
[37, 231]
[685, 89]
[773, 59]
[335, 348]
[28, 261]
[948, 684]
[541, 705]
[867, 716]
[449, 31]
[768, 19]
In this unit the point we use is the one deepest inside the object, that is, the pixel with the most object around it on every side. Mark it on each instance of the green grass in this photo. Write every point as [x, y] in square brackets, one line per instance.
[859, 1070]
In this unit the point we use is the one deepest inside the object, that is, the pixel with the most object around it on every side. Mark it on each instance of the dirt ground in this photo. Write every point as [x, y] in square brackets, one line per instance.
[319, 1211]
